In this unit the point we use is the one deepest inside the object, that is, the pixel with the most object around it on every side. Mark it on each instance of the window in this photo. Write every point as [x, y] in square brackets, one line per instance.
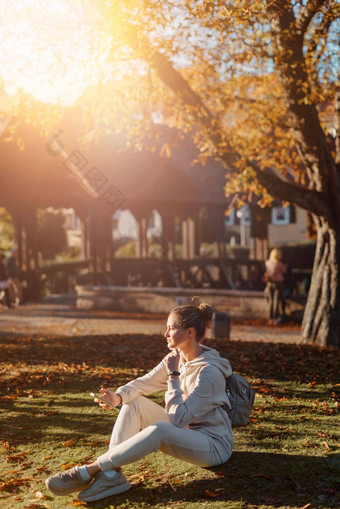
[229, 219]
[246, 214]
[280, 215]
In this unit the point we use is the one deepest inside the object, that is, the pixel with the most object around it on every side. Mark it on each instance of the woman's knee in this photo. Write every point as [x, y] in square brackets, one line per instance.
[160, 428]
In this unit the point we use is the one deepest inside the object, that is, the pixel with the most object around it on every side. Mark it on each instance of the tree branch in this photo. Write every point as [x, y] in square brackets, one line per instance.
[292, 67]
[311, 200]
[173, 79]
[308, 199]
[306, 16]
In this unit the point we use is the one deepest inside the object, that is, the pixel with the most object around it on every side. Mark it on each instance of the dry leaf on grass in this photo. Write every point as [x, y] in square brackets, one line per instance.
[39, 495]
[326, 446]
[14, 483]
[69, 442]
[17, 458]
[38, 506]
[68, 465]
[212, 494]
[261, 476]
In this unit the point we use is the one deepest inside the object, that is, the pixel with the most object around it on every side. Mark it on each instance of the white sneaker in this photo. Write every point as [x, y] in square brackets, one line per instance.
[66, 482]
[103, 486]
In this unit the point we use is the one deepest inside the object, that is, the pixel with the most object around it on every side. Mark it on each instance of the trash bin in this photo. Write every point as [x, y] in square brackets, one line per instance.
[221, 325]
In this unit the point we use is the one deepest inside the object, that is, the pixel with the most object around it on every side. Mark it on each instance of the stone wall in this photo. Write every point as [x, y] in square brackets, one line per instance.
[238, 303]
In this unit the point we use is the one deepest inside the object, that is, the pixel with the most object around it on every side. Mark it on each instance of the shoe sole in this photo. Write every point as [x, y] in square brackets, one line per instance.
[63, 492]
[112, 491]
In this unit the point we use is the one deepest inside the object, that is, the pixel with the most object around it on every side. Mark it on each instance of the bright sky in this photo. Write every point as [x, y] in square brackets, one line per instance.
[51, 49]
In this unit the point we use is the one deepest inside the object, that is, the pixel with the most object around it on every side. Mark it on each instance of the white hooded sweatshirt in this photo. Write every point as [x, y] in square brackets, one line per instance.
[196, 399]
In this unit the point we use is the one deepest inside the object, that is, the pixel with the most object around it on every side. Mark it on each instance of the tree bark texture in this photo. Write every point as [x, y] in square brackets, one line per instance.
[321, 321]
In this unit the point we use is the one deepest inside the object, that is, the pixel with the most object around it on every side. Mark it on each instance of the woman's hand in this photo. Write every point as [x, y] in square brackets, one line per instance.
[172, 360]
[111, 397]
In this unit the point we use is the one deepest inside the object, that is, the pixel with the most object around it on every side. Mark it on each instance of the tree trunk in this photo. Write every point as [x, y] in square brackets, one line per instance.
[321, 321]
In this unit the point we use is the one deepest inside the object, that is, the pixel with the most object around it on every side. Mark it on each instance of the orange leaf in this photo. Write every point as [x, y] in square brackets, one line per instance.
[38, 506]
[262, 476]
[68, 465]
[69, 442]
[326, 446]
[17, 457]
[78, 502]
[212, 494]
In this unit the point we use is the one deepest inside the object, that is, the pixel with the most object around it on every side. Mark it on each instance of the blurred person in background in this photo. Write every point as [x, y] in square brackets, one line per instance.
[4, 281]
[15, 290]
[274, 277]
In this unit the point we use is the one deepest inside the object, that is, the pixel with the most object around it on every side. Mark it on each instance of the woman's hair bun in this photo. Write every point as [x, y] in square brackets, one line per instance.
[205, 310]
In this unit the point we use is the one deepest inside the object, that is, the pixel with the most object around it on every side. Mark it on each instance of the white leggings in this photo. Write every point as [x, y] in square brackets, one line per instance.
[143, 427]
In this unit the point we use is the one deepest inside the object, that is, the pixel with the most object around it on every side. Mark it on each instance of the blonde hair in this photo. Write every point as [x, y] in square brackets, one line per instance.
[275, 255]
[197, 315]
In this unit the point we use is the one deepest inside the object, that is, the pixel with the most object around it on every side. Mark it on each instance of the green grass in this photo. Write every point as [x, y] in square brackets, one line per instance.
[288, 456]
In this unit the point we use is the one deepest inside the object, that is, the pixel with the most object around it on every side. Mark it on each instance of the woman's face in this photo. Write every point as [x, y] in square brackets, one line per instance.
[175, 334]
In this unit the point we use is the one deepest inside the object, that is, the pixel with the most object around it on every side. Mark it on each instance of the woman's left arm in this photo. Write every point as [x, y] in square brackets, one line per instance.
[153, 381]
[202, 399]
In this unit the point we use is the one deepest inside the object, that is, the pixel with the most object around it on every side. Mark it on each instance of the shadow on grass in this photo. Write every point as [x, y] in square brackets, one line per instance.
[266, 360]
[248, 479]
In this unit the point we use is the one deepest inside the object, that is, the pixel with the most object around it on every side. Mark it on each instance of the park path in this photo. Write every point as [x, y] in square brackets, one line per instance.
[57, 316]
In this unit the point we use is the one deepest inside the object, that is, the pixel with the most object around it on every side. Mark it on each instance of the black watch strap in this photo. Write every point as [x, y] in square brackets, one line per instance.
[176, 373]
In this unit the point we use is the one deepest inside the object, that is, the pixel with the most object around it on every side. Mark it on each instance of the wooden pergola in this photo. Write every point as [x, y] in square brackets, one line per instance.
[109, 177]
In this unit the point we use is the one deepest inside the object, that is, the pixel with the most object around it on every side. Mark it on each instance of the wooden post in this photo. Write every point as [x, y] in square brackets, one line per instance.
[191, 237]
[185, 252]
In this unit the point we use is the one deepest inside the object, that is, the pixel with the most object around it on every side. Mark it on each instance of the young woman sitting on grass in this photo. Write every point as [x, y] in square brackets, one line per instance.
[194, 426]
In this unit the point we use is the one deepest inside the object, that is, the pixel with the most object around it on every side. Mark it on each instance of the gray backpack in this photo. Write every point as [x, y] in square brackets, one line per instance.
[241, 397]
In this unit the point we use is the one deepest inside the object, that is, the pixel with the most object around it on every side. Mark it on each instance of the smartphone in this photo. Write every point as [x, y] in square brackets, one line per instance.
[99, 396]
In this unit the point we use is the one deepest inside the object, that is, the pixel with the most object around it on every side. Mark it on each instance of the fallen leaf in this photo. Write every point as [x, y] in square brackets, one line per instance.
[14, 483]
[39, 495]
[68, 465]
[38, 506]
[17, 458]
[69, 442]
[326, 446]
[212, 494]
[172, 487]
[78, 502]
[262, 476]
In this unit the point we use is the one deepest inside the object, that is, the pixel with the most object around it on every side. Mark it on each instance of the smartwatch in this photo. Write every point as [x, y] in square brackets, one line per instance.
[176, 373]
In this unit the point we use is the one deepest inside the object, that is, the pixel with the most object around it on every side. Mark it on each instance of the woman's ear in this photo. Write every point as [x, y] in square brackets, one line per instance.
[191, 332]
